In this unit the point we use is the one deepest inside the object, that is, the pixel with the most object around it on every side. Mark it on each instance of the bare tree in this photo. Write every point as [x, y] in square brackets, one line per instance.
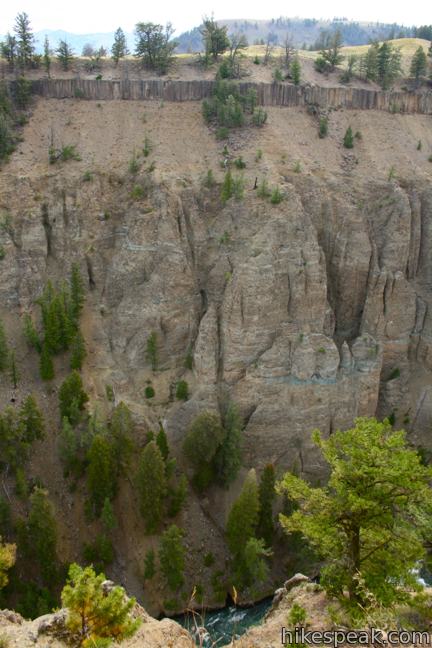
[289, 51]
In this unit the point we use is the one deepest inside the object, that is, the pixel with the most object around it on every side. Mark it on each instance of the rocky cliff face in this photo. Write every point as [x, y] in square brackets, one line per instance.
[306, 314]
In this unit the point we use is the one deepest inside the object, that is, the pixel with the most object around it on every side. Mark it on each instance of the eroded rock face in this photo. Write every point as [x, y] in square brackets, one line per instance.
[306, 314]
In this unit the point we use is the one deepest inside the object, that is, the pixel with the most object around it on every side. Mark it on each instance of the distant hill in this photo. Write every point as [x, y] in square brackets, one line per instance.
[303, 32]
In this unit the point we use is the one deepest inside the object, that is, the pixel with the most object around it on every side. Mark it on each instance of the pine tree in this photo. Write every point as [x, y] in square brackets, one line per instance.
[152, 351]
[227, 190]
[418, 66]
[177, 495]
[348, 140]
[43, 534]
[31, 334]
[162, 442]
[108, 518]
[47, 56]
[331, 52]
[72, 397]
[4, 349]
[228, 455]
[31, 420]
[119, 49]
[13, 369]
[95, 614]
[203, 438]
[101, 475]
[65, 55]
[296, 71]
[121, 429]
[46, 367]
[152, 486]
[25, 40]
[267, 496]
[68, 447]
[172, 557]
[149, 564]
[388, 64]
[77, 292]
[8, 50]
[78, 351]
[243, 517]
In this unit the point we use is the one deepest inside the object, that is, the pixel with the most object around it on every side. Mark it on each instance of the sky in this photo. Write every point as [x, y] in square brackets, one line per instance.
[82, 16]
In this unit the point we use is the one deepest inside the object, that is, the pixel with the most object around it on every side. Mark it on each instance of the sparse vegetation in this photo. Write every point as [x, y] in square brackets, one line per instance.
[276, 196]
[323, 127]
[182, 390]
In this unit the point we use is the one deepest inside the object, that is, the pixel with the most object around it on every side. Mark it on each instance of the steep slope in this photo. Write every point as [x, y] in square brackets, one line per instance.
[306, 314]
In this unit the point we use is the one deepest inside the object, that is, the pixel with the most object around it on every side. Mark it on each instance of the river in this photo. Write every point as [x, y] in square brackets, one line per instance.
[222, 625]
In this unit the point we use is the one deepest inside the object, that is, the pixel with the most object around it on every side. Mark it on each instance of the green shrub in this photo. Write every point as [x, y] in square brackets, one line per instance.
[277, 75]
[296, 615]
[182, 390]
[258, 155]
[297, 167]
[149, 392]
[88, 176]
[134, 166]
[137, 192]
[419, 145]
[109, 391]
[64, 154]
[276, 196]
[239, 163]
[256, 60]
[209, 559]
[222, 133]
[323, 127]
[394, 374]
[238, 187]
[78, 93]
[259, 117]
[147, 149]
[348, 140]
[263, 190]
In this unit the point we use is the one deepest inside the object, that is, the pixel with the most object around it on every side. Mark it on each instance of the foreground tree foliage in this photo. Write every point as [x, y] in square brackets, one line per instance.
[94, 612]
[368, 523]
[152, 486]
[7, 560]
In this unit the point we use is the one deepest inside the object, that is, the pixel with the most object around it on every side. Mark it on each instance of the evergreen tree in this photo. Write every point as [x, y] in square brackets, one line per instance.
[31, 421]
[31, 334]
[69, 447]
[8, 50]
[119, 49]
[253, 567]
[267, 496]
[227, 190]
[296, 71]
[7, 560]
[108, 518]
[25, 40]
[203, 438]
[78, 351]
[162, 442]
[77, 292]
[149, 564]
[152, 351]
[368, 523]
[418, 66]
[215, 39]
[121, 431]
[47, 56]
[43, 534]
[101, 474]
[95, 614]
[243, 517]
[72, 397]
[46, 367]
[331, 52]
[4, 349]
[14, 373]
[152, 486]
[65, 55]
[228, 455]
[388, 64]
[154, 45]
[348, 140]
[177, 495]
[172, 557]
